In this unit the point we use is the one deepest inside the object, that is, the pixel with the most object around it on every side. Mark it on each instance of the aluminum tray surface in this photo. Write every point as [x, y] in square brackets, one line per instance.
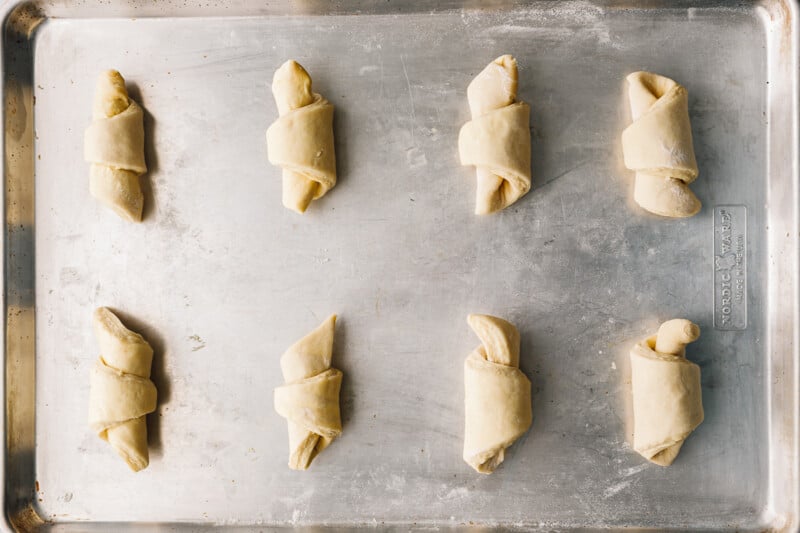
[220, 278]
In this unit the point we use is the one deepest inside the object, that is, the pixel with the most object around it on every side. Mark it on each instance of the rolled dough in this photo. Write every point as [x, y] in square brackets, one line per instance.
[301, 140]
[667, 397]
[658, 146]
[121, 393]
[497, 394]
[497, 141]
[309, 399]
[114, 145]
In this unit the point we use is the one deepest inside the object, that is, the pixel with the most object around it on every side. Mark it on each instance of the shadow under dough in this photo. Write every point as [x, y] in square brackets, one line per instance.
[339, 360]
[150, 154]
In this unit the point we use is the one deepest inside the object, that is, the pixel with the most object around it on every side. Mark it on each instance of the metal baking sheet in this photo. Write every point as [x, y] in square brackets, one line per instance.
[220, 278]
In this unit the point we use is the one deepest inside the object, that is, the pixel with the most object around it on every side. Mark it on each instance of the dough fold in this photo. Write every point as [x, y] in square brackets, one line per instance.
[121, 392]
[114, 145]
[658, 146]
[497, 141]
[309, 400]
[497, 394]
[301, 140]
[667, 396]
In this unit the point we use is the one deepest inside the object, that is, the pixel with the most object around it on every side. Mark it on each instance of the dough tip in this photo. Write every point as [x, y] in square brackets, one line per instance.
[692, 331]
[507, 61]
[291, 87]
[634, 76]
[291, 64]
[111, 95]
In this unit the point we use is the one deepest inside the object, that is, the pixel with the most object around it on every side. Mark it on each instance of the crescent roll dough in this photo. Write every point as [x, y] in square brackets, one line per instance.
[114, 145]
[497, 141]
[667, 399]
[121, 391]
[497, 394]
[658, 146]
[309, 400]
[301, 140]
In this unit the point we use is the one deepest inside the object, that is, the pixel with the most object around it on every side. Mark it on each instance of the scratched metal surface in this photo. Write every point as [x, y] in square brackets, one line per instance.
[221, 279]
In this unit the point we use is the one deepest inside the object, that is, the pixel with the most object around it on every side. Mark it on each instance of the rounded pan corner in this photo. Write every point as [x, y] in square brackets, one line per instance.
[23, 520]
[20, 18]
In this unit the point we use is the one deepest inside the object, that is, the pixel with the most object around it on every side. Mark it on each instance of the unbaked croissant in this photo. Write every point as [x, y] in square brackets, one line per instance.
[658, 146]
[301, 140]
[667, 397]
[114, 145]
[121, 391]
[309, 400]
[497, 394]
[497, 141]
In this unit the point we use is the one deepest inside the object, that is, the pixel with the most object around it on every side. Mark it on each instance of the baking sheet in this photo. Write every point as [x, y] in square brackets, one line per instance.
[220, 278]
